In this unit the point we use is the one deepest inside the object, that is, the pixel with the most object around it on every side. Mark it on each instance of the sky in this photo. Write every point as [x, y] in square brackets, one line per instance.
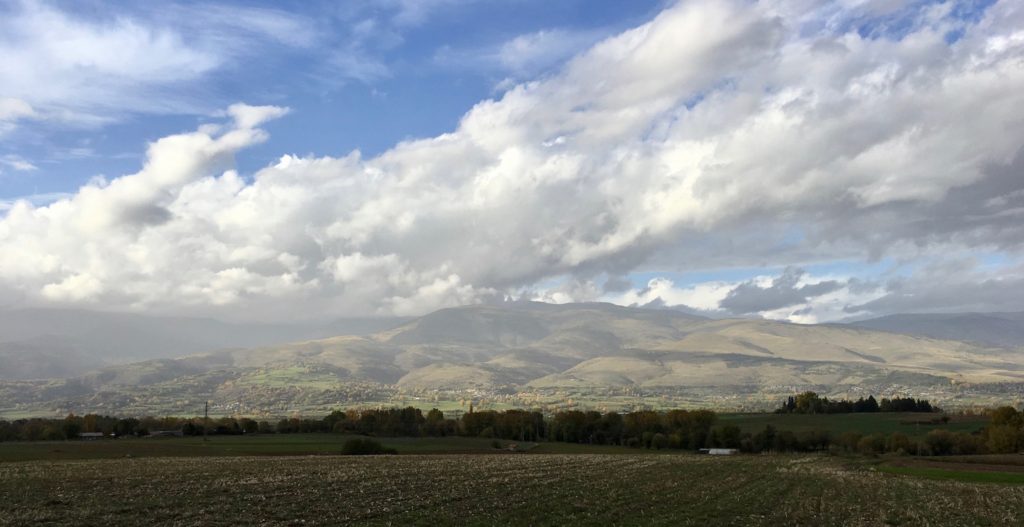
[789, 159]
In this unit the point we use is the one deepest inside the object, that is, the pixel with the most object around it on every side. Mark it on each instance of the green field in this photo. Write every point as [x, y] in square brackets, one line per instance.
[472, 489]
[911, 424]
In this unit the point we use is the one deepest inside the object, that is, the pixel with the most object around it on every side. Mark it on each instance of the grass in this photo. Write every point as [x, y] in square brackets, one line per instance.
[555, 489]
[911, 424]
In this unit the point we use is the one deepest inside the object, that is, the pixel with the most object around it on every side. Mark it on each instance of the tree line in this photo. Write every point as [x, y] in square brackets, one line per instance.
[674, 429]
[812, 403]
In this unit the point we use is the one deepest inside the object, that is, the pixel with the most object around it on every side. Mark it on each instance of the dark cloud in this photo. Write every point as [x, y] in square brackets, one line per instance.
[750, 297]
[616, 284]
[950, 287]
[985, 213]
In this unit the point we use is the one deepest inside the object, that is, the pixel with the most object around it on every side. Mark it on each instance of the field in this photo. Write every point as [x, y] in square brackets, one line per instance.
[475, 489]
[292, 479]
[269, 445]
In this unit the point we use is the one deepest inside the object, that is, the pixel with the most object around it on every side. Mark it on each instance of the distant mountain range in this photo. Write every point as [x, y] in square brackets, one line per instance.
[517, 349]
[47, 343]
[988, 329]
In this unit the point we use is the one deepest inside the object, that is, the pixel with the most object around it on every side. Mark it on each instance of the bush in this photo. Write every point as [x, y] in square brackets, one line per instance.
[871, 444]
[365, 447]
[940, 442]
[899, 443]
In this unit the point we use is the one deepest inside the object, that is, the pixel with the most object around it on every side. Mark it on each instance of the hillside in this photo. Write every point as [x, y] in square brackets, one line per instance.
[519, 349]
[46, 343]
[989, 329]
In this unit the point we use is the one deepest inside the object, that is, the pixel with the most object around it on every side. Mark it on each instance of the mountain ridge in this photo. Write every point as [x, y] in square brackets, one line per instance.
[1004, 329]
[522, 348]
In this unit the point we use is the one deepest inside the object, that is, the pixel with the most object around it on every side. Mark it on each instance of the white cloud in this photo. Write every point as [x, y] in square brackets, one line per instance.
[704, 296]
[713, 120]
[84, 70]
[18, 163]
[34, 200]
[415, 12]
[12, 109]
[523, 56]
[248, 117]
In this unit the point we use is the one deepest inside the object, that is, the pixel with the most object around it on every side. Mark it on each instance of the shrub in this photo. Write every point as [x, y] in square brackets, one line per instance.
[365, 447]
[940, 442]
[871, 444]
[899, 443]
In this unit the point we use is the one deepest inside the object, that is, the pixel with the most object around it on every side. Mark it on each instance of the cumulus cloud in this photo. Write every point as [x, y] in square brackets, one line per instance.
[714, 118]
[662, 291]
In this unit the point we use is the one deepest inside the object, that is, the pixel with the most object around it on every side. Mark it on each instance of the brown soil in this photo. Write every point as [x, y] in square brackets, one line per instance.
[956, 465]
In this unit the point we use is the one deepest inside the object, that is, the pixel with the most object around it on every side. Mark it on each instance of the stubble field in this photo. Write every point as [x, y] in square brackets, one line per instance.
[523, 489]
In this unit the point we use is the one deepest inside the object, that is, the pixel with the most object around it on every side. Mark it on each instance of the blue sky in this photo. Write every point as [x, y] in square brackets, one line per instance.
[422, 69]
[808, 160]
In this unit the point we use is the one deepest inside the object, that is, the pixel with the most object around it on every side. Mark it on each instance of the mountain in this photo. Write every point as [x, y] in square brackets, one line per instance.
[988, 329]
[44, 343]
[529, 353]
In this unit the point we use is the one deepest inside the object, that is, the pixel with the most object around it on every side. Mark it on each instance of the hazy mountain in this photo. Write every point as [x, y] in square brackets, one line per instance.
[991, 329]
[525, 347]
[40, 343]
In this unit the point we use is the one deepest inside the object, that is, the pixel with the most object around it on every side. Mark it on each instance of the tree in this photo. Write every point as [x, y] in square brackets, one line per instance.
[808, 403]
[729, 436]
[1003, 439]
[1008, 416]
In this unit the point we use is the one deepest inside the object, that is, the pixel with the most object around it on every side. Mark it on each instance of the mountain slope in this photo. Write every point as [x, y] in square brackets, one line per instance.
[522, 348]
[989, 329]
[34, 341]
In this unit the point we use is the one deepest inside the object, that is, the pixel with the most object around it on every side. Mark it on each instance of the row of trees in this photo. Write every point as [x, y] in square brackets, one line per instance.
[650, 429]
[812, 403]
[935, 443]
[679, 429]
[73, 426]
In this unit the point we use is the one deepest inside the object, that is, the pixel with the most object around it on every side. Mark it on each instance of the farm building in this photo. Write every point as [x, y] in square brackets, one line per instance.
[719, 451]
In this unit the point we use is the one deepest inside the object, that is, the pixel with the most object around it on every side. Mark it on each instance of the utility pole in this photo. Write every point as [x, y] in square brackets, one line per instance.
[206, 419]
